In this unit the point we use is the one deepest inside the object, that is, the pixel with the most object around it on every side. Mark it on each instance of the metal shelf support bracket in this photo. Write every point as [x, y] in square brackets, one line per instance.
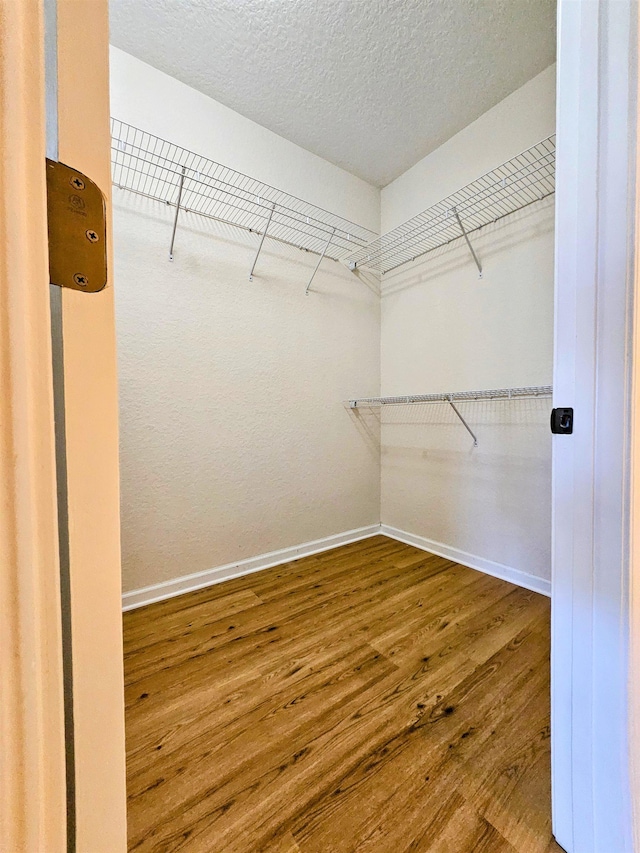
[175, 221]
[466, 237]
[466, 425]
[264, 234]
[324, 252]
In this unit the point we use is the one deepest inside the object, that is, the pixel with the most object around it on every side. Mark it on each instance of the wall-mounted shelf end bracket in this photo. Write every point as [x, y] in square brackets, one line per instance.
[471, 249]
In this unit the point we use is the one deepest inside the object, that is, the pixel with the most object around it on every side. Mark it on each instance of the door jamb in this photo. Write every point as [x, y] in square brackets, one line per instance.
[595, 278]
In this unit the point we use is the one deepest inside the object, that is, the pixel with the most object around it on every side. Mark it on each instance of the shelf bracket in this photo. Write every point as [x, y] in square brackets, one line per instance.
[466, 237]
[264, 234]
[466, 425]
[324, 252]
[175, 221]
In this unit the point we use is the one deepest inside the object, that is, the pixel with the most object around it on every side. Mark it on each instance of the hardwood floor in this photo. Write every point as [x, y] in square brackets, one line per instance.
[373, 698]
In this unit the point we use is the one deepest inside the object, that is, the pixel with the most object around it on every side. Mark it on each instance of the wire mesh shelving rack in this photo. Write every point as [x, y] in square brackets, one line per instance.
[494, 394]
[518, 183]
[157, 169]
[453, 397]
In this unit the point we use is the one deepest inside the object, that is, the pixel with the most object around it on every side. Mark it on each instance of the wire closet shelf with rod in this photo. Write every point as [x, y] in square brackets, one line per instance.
[524, 180]
[526, 392]
[157, 169]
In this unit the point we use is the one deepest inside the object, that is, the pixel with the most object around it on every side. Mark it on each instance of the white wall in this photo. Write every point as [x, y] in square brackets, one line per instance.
[234, 437]
[443, 329]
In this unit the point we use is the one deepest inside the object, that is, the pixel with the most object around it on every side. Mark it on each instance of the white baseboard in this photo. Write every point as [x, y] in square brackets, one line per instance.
[498, 570]
[199, 580]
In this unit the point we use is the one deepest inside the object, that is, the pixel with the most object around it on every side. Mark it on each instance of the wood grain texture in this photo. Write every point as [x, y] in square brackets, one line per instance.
[373, 698]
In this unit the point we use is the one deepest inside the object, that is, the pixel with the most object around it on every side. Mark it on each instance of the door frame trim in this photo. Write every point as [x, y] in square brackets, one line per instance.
[597, 91]
[32, 746]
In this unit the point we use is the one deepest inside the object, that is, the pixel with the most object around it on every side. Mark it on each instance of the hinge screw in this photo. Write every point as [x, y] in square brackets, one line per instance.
[92, 237]
[77, 182]
[80, 279]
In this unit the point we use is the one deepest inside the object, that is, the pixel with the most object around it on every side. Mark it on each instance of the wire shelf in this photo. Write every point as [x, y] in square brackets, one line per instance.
[157, 169]
[455, 396]
[524, 180]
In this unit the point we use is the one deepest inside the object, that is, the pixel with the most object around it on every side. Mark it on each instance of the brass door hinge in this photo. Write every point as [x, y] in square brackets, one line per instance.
[77, 230]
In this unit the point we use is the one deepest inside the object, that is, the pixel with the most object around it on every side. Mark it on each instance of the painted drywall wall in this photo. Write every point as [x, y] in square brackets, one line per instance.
[444, 329]
[235, 440]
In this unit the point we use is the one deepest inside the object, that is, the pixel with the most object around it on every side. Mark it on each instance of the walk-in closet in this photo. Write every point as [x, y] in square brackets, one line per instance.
[333, 232]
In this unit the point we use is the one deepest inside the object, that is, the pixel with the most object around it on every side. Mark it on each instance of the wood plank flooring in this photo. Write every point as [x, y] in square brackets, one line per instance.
[373, 698]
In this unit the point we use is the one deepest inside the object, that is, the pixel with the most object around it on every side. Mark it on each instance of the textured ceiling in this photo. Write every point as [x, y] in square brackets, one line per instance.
[371, 85]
